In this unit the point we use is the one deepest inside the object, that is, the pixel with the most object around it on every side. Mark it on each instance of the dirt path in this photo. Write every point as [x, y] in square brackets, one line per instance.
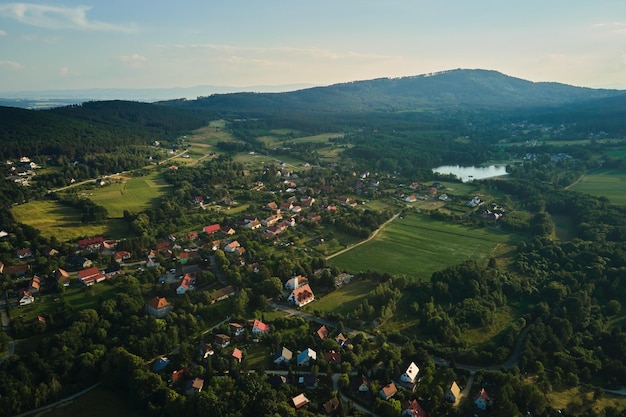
[372, 236]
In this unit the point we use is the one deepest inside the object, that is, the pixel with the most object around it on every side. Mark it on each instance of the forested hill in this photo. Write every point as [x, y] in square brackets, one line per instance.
[94, 125]
[456, 89]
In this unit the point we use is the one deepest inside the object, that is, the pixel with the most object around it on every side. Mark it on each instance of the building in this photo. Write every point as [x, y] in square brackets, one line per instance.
[306, 357]
[453, 393]
[158, 307]
[388, 391]
[90, 276]
[301, 296]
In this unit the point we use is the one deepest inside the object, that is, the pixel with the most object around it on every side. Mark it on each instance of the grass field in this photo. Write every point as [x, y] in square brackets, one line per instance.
[417, 246]
[133, 194]
[609, 183]
[54, 219]
[578, 399]
[343, 300]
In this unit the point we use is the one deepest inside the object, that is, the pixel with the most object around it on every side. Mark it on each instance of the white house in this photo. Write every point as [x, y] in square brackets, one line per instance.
[410, 375]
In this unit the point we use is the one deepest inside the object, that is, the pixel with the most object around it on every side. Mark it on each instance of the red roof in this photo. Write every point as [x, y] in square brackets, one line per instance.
[237, 354]
[186, 282]
[260, 326]
[211, 229]
[415, 409]
[303, 294]
[158, 303]
[90, 241]
[323, 332]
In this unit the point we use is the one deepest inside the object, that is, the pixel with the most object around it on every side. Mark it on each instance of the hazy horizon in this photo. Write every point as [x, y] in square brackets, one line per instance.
[141, 44]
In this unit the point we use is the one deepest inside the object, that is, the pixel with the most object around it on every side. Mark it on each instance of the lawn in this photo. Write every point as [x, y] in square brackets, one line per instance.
[609, 183]
[133, 194]
[342, 300]
[55, 219]
[417, 246]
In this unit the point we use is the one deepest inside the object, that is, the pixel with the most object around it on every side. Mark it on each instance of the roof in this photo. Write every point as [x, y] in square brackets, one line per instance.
[454, 389]
[221, 339]
[308, 353]
[389, 390]
[283, 353]
[323, 332]
[186, 282]
[237, 354]
[332, 357]
[300, 401]
[411, 372]
[260, 326]
[413, 409]
[90, 241]
[303, 294]
[331, 405]
[482, 394]
[158, 303]
[211, 229]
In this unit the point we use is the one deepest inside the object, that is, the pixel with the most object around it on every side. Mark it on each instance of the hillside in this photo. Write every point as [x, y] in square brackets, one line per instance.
[449, 90]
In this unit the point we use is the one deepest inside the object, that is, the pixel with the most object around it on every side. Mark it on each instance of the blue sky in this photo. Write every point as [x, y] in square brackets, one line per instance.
[159, 44]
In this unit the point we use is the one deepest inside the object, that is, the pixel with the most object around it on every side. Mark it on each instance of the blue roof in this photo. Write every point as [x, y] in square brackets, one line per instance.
[160, 364]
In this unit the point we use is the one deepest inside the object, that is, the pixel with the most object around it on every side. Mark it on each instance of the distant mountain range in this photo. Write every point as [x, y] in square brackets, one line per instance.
[446, 90]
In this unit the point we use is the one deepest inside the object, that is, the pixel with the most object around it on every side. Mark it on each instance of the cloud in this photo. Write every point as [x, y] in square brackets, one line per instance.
[2, 32]
[64, 71]
[56, 17]
[134, 60]
[11, 64]
[614, 27]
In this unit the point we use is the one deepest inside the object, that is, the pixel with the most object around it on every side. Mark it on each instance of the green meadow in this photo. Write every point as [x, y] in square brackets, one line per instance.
[609, 183]
[417, 246]
[55, 219]
[132, 194]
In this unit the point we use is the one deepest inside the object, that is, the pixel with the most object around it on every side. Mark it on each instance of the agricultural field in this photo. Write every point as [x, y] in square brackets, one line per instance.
[609, 183]
[129, 193]
[55, 219]
[417, 246]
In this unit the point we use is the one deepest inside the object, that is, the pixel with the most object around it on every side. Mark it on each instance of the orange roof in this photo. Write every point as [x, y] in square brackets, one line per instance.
[212, 228]
[62, 273]
[158, 303]
[303, 293]
[258, 324]
[323, 332]
[186, 281]
[237, 354]
[89, 272]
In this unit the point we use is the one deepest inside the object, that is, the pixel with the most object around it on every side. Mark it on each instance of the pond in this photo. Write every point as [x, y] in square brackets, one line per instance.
[472, 173]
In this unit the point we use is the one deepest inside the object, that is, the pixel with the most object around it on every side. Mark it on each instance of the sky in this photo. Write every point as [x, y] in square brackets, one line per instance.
[85, 44]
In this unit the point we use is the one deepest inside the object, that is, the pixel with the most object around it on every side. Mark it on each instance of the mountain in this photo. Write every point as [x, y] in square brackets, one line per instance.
[446, 90]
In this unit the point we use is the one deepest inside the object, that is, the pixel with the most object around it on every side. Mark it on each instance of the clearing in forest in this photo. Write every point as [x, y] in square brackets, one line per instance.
[609, 183]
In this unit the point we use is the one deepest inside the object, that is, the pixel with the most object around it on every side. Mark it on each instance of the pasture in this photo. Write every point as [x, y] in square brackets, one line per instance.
[132, 194]
[417, 246]
[54, 219]
[343, 300]
[609, 183]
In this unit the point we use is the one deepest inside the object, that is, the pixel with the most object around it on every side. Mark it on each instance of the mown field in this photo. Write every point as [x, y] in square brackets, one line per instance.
[54, 219]
[417, 246]
[132, 194]
[342, 300]
[609, 183]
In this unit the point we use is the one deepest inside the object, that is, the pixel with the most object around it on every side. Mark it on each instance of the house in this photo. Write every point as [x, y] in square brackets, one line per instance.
[187, 255]
[221, 340]
[323, 332]
[286, 206]
[364, 384]
[34, 285]
[24, 253]
[308, 380]
[236, 329]
[413, 409]
[259, 328]
[474, 202]
[62, 277]
[108, 247]
[237, 354]
[301, 296]
[227, 230]
[306, 357]
[410, 199]
[79, 261]
[90, 243]
[48, 251]
[26, 298]
[443, 197]
[178, 376]
[122, 256]
[232, 247]
[276, 381]
[299, 401]
[215, 245]
[453, 393]
[206, 350]
[113, 270]
[331, 406]
[482, 400]
[222, 294]
[185, 285]
[341, 339]
[388, 391]
[410, 375]
[307, 201]
[333, 357]
[296, 282]
[16, 270]
[152, 263]
[90, 276]
[271, 206]
[158, 307]
[194, 386]
[160, 364]
[283, 356]
[191, 236]
[271, 220]
[253, 225]
[209, 230]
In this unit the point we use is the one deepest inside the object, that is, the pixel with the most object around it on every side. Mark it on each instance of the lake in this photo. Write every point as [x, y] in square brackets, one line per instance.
[472, 173]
